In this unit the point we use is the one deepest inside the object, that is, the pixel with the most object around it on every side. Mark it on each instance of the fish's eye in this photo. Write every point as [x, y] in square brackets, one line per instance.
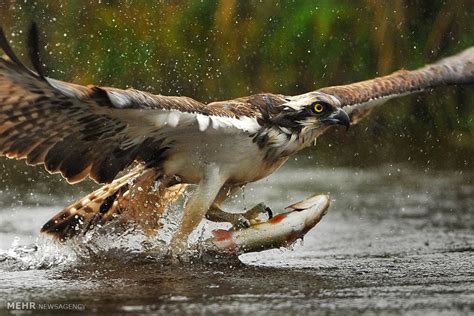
[318, 108]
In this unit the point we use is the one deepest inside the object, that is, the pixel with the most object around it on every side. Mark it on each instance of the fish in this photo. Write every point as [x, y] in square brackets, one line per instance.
[282, 230]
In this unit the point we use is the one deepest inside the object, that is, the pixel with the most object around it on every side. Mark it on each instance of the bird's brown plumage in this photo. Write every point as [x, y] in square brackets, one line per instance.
[457, 69]
[84, 131]
[94, 131]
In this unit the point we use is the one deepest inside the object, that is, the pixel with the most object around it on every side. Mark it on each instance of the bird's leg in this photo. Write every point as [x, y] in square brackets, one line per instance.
[255, 213]
[238, 220]
[216, 214]
[196, 208]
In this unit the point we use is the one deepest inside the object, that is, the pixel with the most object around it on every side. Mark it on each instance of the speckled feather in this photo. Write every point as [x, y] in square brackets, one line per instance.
[96, 131]
[359, 97]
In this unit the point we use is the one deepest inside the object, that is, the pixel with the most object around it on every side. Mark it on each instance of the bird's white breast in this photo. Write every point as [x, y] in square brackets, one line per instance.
[238, 158]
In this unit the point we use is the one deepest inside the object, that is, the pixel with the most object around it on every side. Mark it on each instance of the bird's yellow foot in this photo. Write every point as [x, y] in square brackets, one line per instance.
[241, 223]
[260, 213]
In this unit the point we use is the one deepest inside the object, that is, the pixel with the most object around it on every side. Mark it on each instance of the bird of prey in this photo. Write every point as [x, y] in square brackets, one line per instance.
[146, 148]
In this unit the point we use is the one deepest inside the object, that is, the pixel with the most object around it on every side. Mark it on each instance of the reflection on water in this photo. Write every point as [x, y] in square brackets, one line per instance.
[393, 240]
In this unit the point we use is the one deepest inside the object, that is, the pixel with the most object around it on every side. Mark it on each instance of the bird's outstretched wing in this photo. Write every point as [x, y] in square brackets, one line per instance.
[95, 131]
[358, 98]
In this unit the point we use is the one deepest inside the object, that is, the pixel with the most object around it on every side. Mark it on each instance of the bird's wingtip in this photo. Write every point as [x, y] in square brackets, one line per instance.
[33, 49]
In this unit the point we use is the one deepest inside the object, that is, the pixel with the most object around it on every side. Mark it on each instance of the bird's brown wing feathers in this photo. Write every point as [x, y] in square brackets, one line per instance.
[95, 131]
[91, 131]
[358, 98]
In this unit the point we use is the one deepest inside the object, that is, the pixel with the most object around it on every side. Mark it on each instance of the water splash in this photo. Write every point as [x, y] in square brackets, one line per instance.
[43, 254]
[116, 240]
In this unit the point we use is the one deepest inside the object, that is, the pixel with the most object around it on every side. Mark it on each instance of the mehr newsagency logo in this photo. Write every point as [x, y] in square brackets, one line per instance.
[44, 306]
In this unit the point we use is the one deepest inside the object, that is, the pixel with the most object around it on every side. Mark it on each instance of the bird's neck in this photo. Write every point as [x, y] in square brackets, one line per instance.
[282, 142]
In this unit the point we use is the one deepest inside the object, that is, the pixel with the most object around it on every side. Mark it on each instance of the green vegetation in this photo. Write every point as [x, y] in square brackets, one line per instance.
[212, 50]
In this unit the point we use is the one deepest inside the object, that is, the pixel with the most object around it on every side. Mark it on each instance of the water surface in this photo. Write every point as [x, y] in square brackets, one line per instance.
[395, 240]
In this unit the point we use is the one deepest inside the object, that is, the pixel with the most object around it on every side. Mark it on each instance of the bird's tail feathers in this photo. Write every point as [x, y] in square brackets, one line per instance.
[95, 209]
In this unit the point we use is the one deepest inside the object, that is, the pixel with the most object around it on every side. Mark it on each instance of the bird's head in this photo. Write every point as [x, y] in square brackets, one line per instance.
[297, 122]
[311, 111]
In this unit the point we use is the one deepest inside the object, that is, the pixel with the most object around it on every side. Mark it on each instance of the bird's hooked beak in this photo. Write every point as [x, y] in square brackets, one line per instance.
[339, 117]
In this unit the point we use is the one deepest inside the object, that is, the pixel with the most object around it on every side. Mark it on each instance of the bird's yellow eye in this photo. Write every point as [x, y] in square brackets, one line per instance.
[318, 108]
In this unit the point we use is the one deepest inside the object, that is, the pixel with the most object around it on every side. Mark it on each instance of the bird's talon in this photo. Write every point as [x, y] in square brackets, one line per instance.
[254, 215]
[176, 249]
[173, 256]
[242, 223]
[269, 212]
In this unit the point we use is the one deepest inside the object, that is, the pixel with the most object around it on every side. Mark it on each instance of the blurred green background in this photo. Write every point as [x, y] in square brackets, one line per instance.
[212, 50]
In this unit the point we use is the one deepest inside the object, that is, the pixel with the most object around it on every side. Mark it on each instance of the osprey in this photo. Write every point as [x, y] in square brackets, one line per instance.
[159, 144]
